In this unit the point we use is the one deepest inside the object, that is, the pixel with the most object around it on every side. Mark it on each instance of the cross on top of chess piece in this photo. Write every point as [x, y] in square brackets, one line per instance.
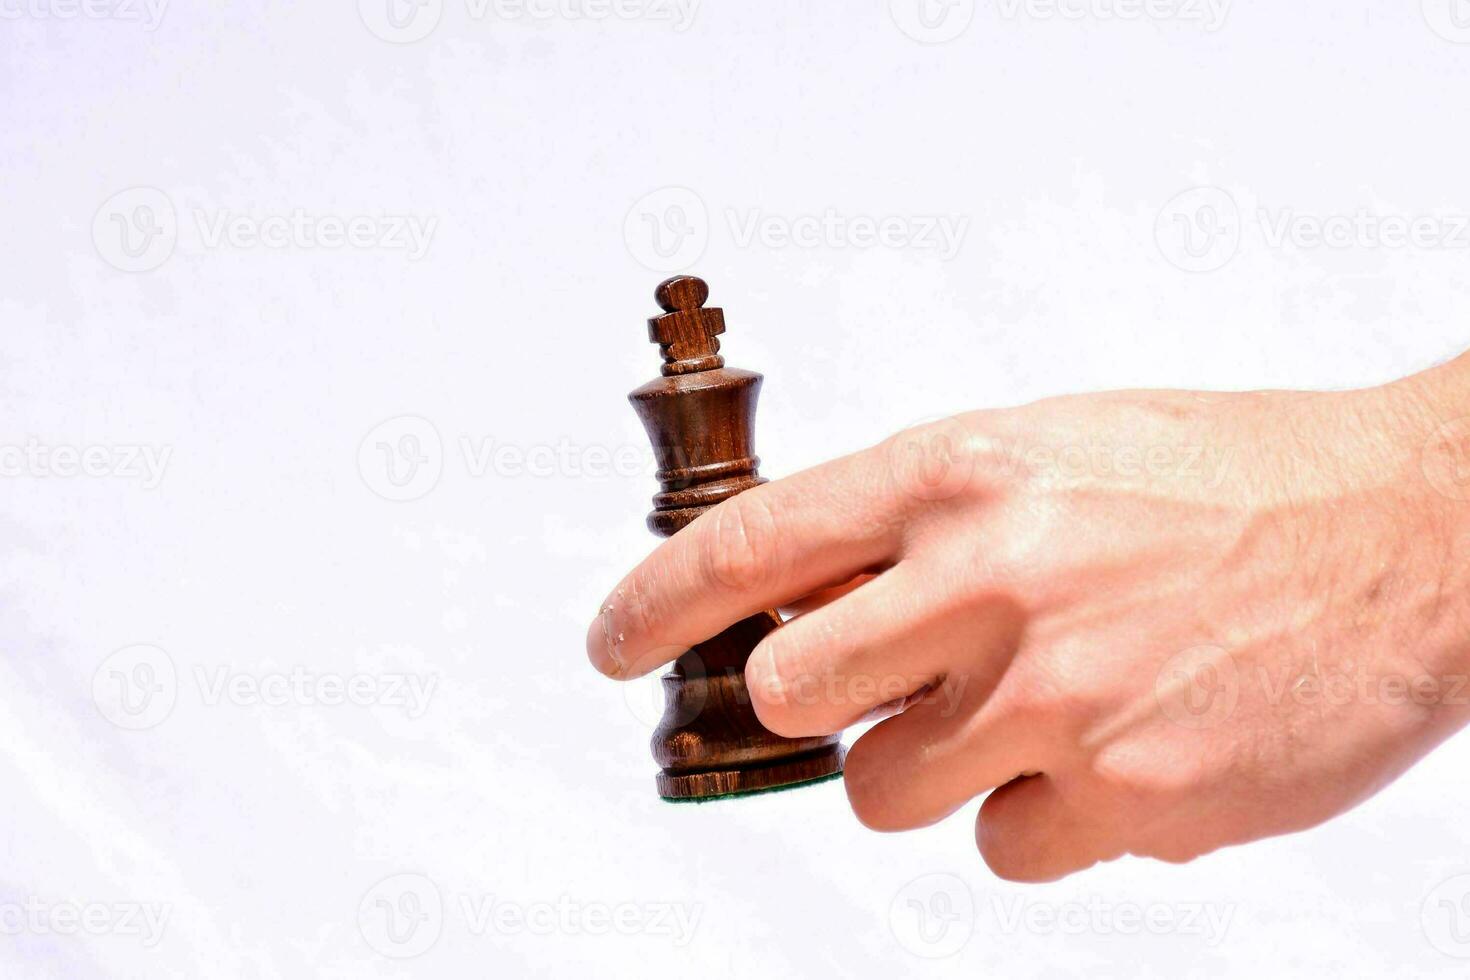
[687, 334]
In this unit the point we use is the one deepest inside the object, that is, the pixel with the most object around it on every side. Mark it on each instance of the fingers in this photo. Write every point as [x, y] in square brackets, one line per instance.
[1029, 830]
[827, 669]
[767, 546]
[822, 597]
[915, 769]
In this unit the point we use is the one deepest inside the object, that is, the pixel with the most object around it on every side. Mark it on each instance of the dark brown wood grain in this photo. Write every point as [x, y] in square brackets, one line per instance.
[700, 416]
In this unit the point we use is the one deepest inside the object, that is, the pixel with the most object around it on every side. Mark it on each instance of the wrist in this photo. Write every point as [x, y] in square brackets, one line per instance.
[1433, 407]
[1435, 397]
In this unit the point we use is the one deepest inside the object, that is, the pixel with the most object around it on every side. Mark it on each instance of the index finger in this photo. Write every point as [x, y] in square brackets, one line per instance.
[766, 547]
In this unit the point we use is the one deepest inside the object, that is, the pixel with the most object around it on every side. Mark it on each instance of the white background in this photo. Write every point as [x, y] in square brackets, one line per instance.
[530, 145]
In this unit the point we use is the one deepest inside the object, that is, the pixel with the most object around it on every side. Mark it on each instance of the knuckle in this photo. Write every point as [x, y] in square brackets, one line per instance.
[1062, 687]
[992, 459]
[943, 460]
[1116, 770]
[742, 550]
[1131, 774]
[1022, 553]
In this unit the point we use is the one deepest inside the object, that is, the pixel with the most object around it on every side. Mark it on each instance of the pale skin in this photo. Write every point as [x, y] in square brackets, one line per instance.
[1153, 622]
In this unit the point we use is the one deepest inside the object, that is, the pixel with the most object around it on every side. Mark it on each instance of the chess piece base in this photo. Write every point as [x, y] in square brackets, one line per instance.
[710, 742]
[821, 764]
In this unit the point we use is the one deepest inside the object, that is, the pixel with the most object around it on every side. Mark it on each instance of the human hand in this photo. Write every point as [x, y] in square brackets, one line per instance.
[1159, 622]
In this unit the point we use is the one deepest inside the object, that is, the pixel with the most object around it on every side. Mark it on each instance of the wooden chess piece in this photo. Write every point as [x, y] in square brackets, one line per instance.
[700, 416]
